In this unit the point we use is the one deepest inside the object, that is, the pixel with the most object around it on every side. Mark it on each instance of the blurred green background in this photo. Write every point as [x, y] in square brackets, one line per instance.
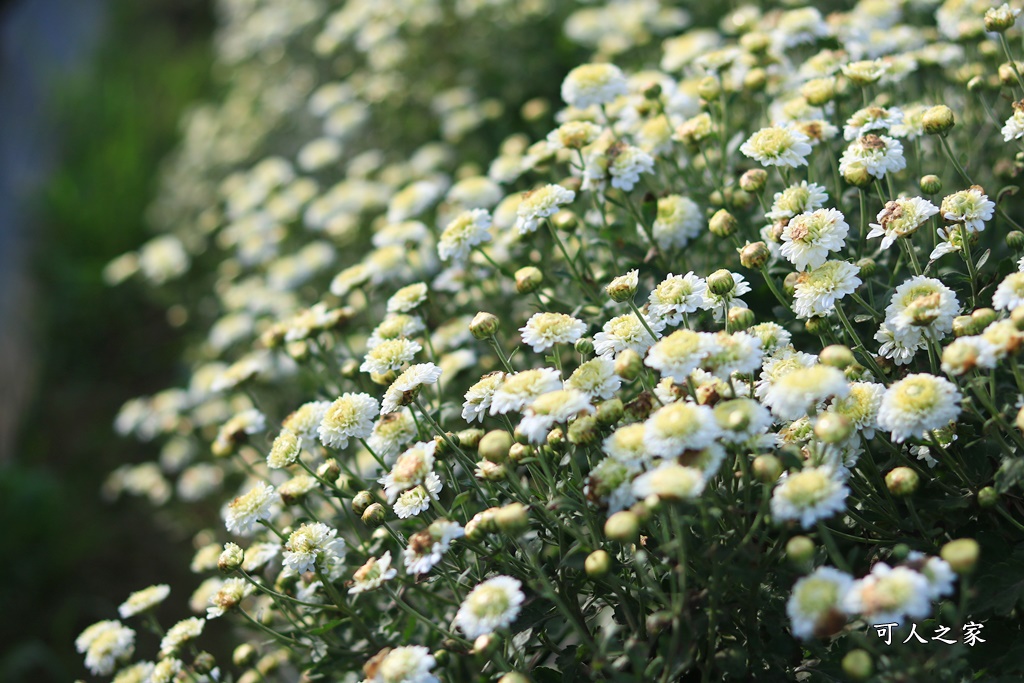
[106, 117]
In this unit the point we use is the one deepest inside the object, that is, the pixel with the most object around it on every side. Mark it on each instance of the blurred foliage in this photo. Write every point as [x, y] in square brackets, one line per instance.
[70, 558]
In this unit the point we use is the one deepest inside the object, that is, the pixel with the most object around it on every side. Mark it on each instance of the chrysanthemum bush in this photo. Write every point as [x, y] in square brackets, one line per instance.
[709, 370]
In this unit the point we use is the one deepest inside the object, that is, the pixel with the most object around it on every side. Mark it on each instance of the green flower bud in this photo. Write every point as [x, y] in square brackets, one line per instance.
[470, 438]
[597, 564]
[374, 515]
[555, 439]
[484, 645]
[721, 282]
[818, 326]
[902, 481]
[961, 554]
[858, 176]
[609, 412]
[535, 109]
[857, 665]
[622, 288]
[754, 255]
[528, 279]
[584, 431]
[513, 677]
[623, 526]
[298, 350]
[329, 470]
[832, 428]
[999, 19]
[722, 224]
[565, 220]
[512, 519]
[652, 91]
[963, 325]
[900, 551]
[931, 184]
[362, 500]
[755, 80]
[584, 346]
[938, 120]
[790, 282]
[519, 451]
[350, 368]
[1017, 318]
[494, 446]
[628, 365]
[740, 318]
[819, 91]
[837, 355]
[867, 267]
[244, 655]
[754, 180]
[767, 468]
[484, 325]
[988, 497]
[709, 88]
[230, 558]
[204, 663]
[800, 551]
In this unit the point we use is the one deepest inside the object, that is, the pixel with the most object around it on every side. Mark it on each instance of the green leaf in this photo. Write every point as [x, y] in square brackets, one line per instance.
[329, 626]
[1010, 474]
[984, 258]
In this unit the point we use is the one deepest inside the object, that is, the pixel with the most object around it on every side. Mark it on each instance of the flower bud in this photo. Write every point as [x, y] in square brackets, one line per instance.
[374, 515]
[513, 677]
[754, 255]
[819, 91]
[512, 519]
[767, 468]
[818, 326]
[754, 180]
[832, 427]
[623, 526]
[790, 282]
[584, 431]
[565, 220]
[1017, 318]
[528, 279]
[350, 368]
[494, 446]
[963, 325]
[470, 438]
[244, 655]
[988, 497]
[204, 663]
[623, 288]
[721, 282]
[867, 267]
[329, 470]
[1000, 19]
[298, 350]
[755, 79]
[1015, 240]
[485, 644]
[899, 552]
[535, 109]
[362, 500]
[961, 554]
[584, 346]
[628, 365]
[484, 325]
[837, 355]
[800, 550]
[722, 224]
[230, 558]
[1020, 420]
[519, 451]
[938, 120]
[858, 176]
[597, 564]
[709, 88]
[609, 412]
[555, 439]
[740, 318]
[857, 665]
[931, 184]
[902, 481]
[383, 380]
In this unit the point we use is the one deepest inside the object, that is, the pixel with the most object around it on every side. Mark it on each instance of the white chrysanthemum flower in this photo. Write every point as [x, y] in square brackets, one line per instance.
[478, 397]
[780, 364]
[426, 547]
[242, 514]
[227, 595]
[742, 419]
[899, 347]
[1010, 292]
[138, 672]
[922, 304]
[492, 605]
[937, 571]
[967, 353]
[817, 291]
[626, 163]
[737, 352]
[778, 146]
[679, 220]
[679, 427]
[349, 417]
[870, 119]
[390, 355]
[544, 330]
[889, 595]
[900, 218]
[610, 484]
[1004, 336]
[970, 207]
[391, 432]
[718, 303]
[258, 554]
[285, 450]
[373, 574]
[405, 664]
[395, 326]
[628, 445]
[595, 378]
[573, 135]
[809, 495]
[553, 408]
[625, 332]
[538, 204]
[143, 600]
[876, 154]
[407, 298]
[410, 469]
[417, 499]
[918, 404]
[590, 84]
[772, 336]
[181, 633]
[797, 199]
[465, 231]
[801, 25]
[799, 392]
[519, 389]
[670, 481]
[865, 71]
[311, 546]
[816, 600]
[104, 644]
[305, 421]
[166, 670]
[1013, 129]
[404, 386]
[675, 296]
[414, 199]
[860, 407]
[680, 353]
